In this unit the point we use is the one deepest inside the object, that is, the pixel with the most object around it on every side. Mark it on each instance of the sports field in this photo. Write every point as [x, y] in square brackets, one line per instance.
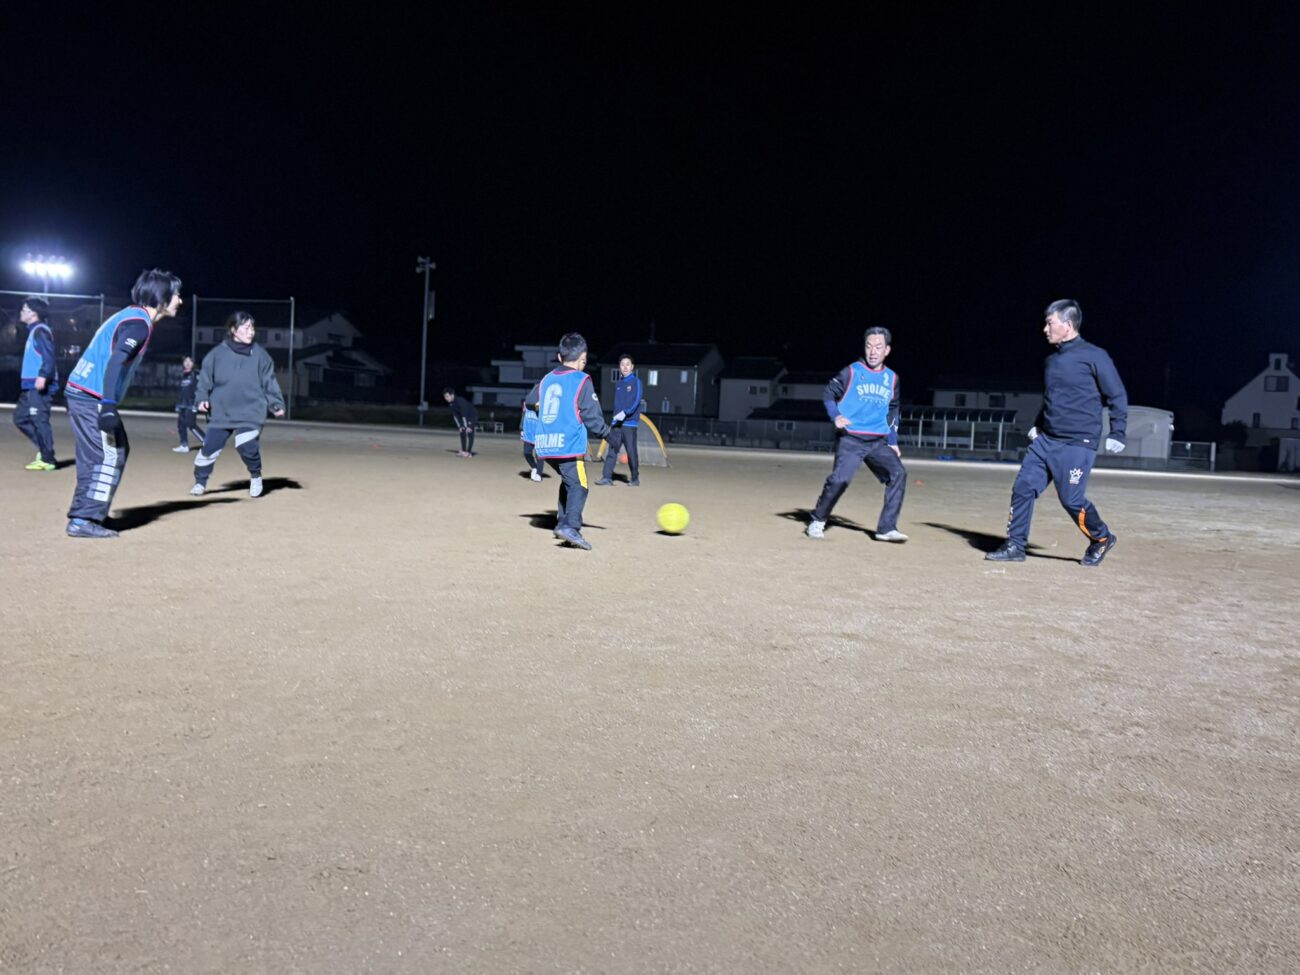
[379, 721]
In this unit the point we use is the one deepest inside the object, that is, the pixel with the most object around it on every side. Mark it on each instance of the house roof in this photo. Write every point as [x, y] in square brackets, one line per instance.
[752, 367]
[660, 353]
[792, 409]
[806, 378]
[987, 384]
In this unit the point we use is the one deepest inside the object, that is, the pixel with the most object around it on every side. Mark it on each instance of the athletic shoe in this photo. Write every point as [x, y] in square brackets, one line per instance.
[198, 489]
[81, 528]
[605, 482]
[891, 536]
[815, 529]
[1097, 550]
[39, 465]
[182, 449]
[1009, 552]
[254, 487]
[574, 538]
[535, 476]
[635, 482]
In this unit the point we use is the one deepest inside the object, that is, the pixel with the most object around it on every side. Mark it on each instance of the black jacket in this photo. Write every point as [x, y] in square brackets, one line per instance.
[1078, 378]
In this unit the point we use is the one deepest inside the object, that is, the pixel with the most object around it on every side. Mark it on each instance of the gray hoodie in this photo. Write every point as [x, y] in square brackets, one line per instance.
[238, 382]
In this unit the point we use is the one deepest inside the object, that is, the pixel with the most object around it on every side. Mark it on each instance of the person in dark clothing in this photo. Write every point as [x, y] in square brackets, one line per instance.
[624, 424]
[39, 383]
[95, 388]
[187, 417]
[466, 419]
[237, 387]
[567, 409]
[1079, 378]
[862, 401]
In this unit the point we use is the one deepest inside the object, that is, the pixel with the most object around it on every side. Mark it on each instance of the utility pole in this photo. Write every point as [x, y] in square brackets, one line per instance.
[423, 264]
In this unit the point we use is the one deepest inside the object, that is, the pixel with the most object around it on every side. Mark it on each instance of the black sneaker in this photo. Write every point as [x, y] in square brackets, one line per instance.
[1097, 550]
[81, 528]
[1009, 552]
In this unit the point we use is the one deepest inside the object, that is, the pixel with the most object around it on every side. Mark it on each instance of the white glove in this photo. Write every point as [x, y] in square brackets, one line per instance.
[1114, 446]
[620, 416]
[1033, 433]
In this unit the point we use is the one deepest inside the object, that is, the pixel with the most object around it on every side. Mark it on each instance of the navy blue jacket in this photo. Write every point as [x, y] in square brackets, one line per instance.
[627, 399]
[185, 392]
[1078, 378]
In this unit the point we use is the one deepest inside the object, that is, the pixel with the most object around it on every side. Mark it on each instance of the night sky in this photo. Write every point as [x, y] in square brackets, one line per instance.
[772, 184]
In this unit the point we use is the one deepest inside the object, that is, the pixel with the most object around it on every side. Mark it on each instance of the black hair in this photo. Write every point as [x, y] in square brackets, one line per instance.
[39, 306]
[448, 391]
[236, 319]
[572, 346]
[877, 330]
[1068, 310]
[155, 289]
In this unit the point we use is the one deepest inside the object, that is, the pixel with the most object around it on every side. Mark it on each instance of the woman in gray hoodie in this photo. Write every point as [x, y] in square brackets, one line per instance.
[237, 384]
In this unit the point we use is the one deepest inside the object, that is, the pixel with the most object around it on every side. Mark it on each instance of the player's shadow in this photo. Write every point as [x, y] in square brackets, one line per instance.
[128, 519]
[269, 484]
[527, 475]
[984, 542]
[61, 464]
[804, 516]
[547, 520]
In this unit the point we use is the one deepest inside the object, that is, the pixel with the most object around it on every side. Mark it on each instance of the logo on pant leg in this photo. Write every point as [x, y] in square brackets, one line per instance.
[1076, 475]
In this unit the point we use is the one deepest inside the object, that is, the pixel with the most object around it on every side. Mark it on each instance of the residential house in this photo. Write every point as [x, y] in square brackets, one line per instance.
[675, 377]
[1024, 399]
[748, 383]
[1269, 405]
[515, 377]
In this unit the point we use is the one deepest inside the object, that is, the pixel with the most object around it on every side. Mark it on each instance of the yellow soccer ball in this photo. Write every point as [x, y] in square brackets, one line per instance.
[673, 518]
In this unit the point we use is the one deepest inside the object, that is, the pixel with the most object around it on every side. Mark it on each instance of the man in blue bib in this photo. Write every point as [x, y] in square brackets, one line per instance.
[40, 381]
[862, 402]
[567, 409]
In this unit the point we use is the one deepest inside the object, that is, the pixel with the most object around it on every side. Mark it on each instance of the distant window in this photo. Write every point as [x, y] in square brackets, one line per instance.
[785, 426]
[277, 336]
[1254, 420]
[1277, 384]
[685, 374]
[785, 390]
[1295, 423]
[365, 379]
[338, 338]
[652, 377]
[1277, 363]
[666, 406]
[613, 375]
[1297, 402]
[997, 400]
[959, 399]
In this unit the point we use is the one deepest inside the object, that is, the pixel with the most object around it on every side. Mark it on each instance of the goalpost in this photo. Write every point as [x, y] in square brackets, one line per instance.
[650, 450]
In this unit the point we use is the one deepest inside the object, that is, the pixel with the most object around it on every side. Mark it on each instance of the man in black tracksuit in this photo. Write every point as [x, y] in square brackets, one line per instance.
[1079, 378]
[466, 419]
[187, 417]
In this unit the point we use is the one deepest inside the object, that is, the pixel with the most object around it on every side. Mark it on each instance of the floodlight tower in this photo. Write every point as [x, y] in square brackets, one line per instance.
[425, 265]
[47, 268]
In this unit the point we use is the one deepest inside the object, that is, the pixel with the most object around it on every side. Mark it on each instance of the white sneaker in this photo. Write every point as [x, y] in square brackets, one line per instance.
[535, 476]
[197, 490]
[254, 487]
[891, 536]
[182, 449]
[815, 529]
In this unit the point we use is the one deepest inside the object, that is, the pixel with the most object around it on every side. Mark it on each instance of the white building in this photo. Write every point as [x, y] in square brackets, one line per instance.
[1269, 405]
[748, 383]
[515, 377]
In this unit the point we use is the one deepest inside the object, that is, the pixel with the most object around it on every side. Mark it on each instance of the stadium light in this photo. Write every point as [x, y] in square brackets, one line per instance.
[47, 269]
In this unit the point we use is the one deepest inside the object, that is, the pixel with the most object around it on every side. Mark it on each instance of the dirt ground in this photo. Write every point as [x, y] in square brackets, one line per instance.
[379, 721]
